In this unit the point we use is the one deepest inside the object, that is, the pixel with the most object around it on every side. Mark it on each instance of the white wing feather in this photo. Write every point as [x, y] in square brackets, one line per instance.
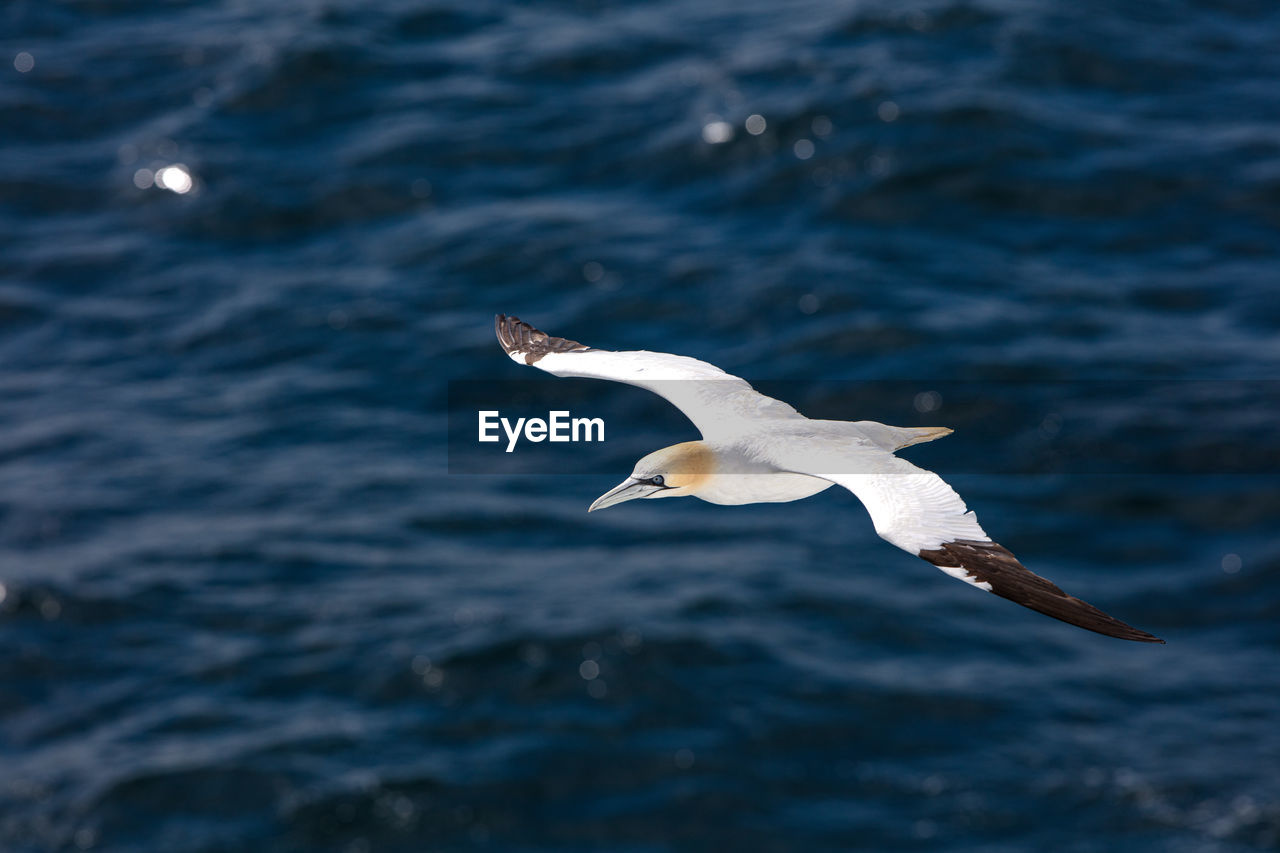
[916, 510]
[719, 404]
[910, 507]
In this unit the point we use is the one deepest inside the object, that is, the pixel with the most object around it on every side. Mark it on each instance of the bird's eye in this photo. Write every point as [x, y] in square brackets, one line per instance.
[657, 481]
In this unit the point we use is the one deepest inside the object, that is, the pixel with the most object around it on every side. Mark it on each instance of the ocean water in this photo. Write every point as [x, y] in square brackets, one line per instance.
[255, 594]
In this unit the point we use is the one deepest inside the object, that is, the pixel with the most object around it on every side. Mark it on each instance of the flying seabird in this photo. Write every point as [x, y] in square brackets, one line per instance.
[757, 449]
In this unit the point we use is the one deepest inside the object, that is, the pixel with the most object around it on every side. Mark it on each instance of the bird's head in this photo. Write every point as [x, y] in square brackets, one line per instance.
[671, 472]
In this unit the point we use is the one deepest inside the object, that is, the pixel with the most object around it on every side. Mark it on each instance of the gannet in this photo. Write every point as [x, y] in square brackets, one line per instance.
[757, 449]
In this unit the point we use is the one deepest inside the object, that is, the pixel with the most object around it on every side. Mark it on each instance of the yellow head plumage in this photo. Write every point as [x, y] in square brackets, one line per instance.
[683, 467]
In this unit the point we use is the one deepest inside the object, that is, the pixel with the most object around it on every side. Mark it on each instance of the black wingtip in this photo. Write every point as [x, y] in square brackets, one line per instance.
[508, 328]
[1140, 636]
[519, 338]
[992, 564]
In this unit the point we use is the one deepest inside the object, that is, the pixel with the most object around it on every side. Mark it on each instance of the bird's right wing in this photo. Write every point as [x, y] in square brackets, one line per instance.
[917, 511]
[719, 404]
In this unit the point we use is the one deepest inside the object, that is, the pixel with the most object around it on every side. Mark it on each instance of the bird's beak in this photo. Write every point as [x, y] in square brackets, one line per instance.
[627, 490]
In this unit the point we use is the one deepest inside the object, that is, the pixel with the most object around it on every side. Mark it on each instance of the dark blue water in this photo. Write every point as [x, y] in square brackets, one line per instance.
[246, 606]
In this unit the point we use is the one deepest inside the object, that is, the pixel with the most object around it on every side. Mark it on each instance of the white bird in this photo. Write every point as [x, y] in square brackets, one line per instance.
[756, 449]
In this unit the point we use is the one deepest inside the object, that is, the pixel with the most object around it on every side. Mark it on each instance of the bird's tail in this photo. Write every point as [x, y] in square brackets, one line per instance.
[919, 435]
[893, 438]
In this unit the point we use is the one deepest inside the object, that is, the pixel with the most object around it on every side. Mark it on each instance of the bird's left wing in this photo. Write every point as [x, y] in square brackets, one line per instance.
[719, 404]
[917, 511]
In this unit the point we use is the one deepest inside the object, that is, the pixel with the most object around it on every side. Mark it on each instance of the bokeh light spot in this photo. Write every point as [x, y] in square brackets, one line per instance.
[174, 178]
[927, 401]
[717, 132]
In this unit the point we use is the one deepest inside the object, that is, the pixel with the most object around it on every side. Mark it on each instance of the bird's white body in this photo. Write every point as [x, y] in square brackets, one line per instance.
[756, 449]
